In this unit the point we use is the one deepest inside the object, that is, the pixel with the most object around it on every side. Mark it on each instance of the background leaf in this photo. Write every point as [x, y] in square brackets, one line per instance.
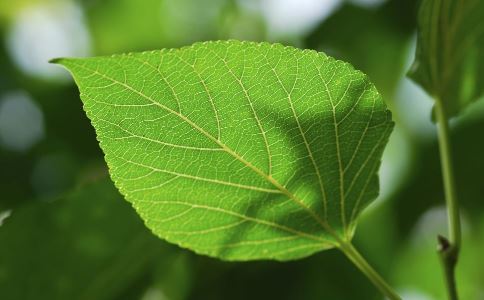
[449, 62]
[238, 150]
[86, 245]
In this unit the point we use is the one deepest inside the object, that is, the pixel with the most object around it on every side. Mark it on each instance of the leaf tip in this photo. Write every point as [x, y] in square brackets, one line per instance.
[60, 61]
[67, 62]
[57, 60]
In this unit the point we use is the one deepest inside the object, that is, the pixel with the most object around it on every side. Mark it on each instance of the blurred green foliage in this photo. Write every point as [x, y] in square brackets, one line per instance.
[85, 245]
[57, 241]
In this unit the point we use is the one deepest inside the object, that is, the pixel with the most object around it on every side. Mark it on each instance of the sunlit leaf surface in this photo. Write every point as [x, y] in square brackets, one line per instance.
[238, 150]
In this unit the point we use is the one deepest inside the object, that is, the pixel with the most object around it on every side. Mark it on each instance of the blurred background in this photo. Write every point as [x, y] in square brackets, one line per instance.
[65, 232]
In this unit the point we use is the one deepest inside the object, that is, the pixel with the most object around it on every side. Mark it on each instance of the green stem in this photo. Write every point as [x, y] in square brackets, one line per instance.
[448, 258]
[360, 262]
[448, 249]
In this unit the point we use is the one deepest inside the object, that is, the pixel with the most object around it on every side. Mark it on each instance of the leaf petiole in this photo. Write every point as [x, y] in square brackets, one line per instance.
[360, 262]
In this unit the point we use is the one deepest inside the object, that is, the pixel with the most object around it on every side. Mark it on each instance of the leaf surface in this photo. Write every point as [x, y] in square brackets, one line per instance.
[238, 150]
[449, 62]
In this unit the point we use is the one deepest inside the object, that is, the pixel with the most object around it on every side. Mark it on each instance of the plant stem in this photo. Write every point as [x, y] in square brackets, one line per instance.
[448, 249]
[448, 258]
[448, 175]
[350, 251]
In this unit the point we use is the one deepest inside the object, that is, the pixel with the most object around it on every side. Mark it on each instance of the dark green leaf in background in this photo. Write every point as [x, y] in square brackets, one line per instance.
[449, 62]
[238, 150]
[87, 245]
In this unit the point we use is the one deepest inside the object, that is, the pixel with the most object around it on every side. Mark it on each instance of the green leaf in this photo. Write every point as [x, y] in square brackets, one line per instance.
[238, 150]
[85, 245]
[449, 62]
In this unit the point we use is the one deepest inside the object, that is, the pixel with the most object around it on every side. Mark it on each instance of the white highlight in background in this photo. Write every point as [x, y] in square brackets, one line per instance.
[42, 32]
[21, 122]
[4, 215]
[291, 17]
[413, 104]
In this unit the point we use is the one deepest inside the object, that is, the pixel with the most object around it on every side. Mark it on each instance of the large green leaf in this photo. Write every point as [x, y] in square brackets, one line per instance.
[449, 62]
[238, 150]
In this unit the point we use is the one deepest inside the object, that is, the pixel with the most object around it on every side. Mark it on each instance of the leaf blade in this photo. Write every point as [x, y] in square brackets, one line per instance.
[265, 152]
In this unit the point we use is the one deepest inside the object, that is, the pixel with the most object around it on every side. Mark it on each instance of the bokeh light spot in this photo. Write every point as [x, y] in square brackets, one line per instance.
[40, 33]
[292, 17]
[21, 122]
[4, 215]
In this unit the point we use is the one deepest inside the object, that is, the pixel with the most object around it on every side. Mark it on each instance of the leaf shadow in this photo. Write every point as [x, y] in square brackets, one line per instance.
[312, 140]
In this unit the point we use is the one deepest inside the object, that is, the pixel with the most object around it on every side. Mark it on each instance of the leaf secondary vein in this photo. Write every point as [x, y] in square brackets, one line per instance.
[338, 152]
[255, 220]
[256, 117]
[303, 135]
[238, 185]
